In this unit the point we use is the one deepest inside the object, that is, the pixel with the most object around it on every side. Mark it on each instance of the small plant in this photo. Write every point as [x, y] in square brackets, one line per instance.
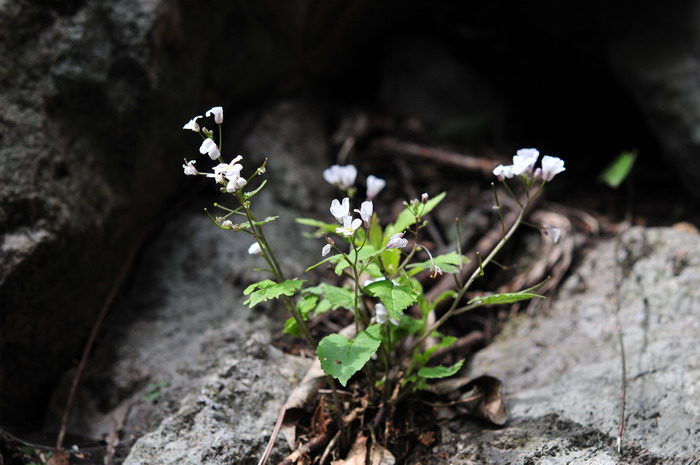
[392, 319]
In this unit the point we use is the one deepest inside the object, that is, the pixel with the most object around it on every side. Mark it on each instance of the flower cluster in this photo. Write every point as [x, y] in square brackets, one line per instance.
[524, 165]
[226, 174]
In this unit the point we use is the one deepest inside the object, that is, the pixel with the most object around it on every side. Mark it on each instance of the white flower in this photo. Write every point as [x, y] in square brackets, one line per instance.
[227, 224]
[340, 210]
[227, 170]
[235, 183]
[554, 233]
[218, 113]
[189, 168]
[326, 250]
[397, 241]
[425, 197]
[524, 161]
[254, 249]
[341, 176]
[349, 226]
[503, 172]
[209, 147]
[365, 212]
[382, 315]
[551, 166]
[192, 124]
[374, 186]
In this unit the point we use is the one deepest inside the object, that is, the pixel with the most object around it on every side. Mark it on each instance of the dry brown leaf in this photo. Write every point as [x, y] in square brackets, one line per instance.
[379, 455]
[59, 458]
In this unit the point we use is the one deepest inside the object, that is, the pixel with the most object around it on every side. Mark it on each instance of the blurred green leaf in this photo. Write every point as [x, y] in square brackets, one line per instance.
[619, 169]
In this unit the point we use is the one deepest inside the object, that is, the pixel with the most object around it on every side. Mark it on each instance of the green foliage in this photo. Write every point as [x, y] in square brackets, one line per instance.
[408, 216]
[440, 371]
[337, 297]
[448, 263]
[619, 169]
[246, 225]
[341, 357]
[395, 298]
[505, 298]
[321, 226]
[365, 255]
[154, 391]
[305, 305]
[267, 289]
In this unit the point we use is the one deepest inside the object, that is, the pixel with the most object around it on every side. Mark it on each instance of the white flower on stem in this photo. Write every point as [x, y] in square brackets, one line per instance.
[503, 171]
[340, 210]
[235, 183]
[349, 226]
[397, 241]
[524, 161]
[192, 124]
[374, 186]
[365, 211]
[227, 224]
[425, 197]
[326, 250]
[254, 249]
[227, 170]
[382, 315]
[209, 147]
[341, 176]
[551, 166]
[218, 113]
[189, 168]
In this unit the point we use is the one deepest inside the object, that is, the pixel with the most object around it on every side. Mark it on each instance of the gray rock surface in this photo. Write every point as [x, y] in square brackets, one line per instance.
[182, 324]
[562, 370]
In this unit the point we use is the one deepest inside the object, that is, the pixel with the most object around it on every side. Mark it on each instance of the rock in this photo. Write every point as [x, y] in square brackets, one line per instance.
[182, 358]
[94, 96]
[654, 53]
[562, 371]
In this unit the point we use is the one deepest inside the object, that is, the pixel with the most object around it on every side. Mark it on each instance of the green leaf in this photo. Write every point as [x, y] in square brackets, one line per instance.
[619, 169]
[246, 225]
[408, 217]
[449, 263]
[339, 297]
[390, 260]
[440, 371]
[291, 327]
[332, 257]
[366, 254]
[321, 226]
[375, 233]
[247, 195]
[267, 289]
[421, 359]
[341, 358]
[505, 298]
[394, 297]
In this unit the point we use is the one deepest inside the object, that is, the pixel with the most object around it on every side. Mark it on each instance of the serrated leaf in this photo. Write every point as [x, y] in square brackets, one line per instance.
[267, 289]
[448, 263]
[440, 371]
[619, 169]
[407, 217]
[338, 297]
[395, 298]
[341, 357]
[504, 298]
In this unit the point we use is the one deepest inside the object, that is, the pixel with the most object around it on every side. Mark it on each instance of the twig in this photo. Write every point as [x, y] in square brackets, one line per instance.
[93, 334]
[487, 242]
[620, 340]
[445, 157]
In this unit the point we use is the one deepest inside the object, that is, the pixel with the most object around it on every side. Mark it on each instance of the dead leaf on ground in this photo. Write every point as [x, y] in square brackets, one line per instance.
[59, 458]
